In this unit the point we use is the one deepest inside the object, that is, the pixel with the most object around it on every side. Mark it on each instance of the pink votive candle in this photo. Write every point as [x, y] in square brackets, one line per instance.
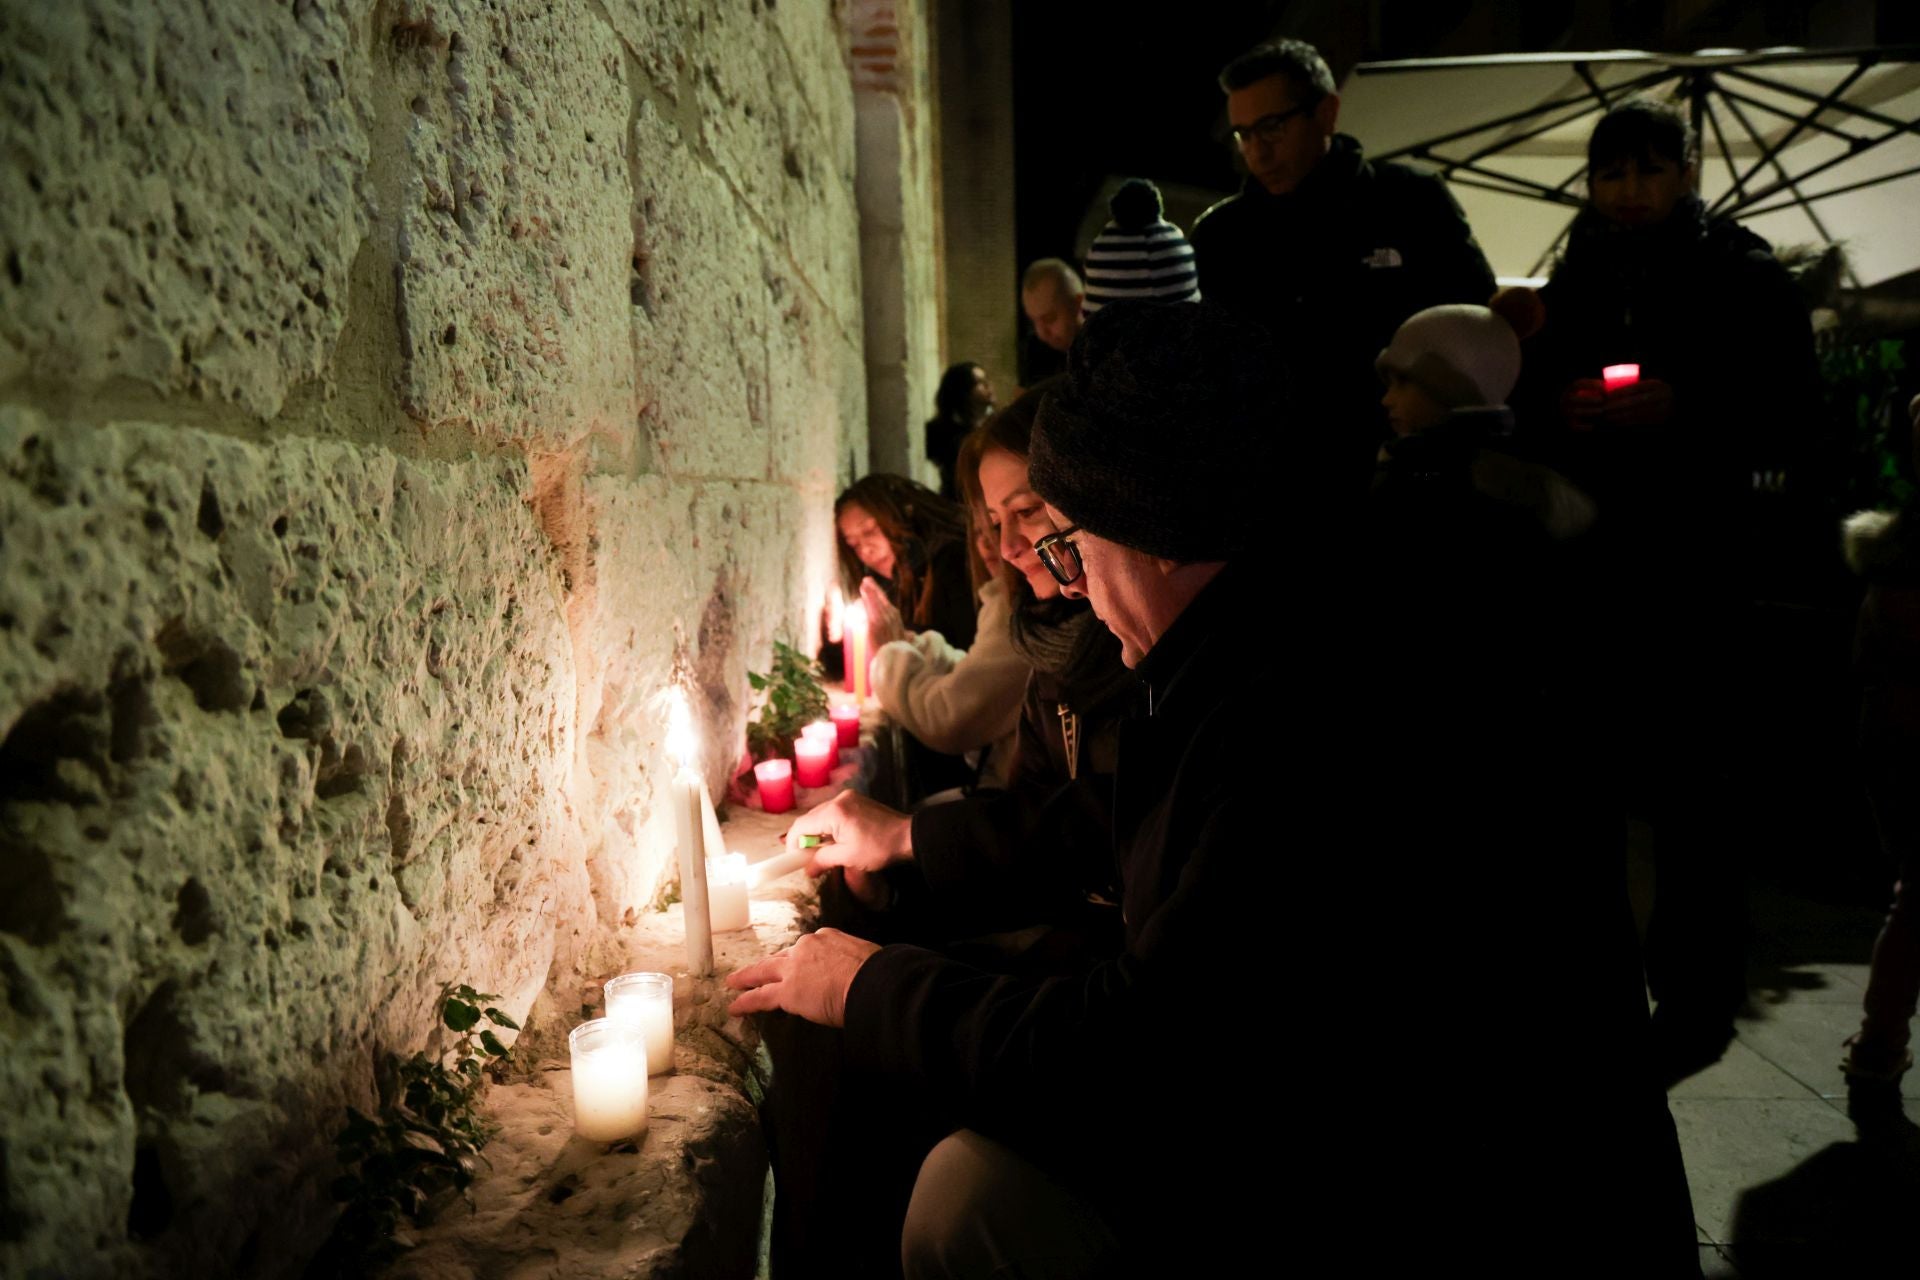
[775, 778]
[1616, 376]
[846, 721]
[813, 758]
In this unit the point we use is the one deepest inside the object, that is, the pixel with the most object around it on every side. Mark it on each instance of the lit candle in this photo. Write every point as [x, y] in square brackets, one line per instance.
[688, 797]
[859, 652]
[776, 784]
[821, 729]
[846, 719]
[813, 758]
[1616, 376]
[645, 1000]
[609, 1080]
[727, 882]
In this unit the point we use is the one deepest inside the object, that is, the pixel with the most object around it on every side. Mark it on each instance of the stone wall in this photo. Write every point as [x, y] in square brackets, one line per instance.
[980, 276]
[896, 181]
[394, 398]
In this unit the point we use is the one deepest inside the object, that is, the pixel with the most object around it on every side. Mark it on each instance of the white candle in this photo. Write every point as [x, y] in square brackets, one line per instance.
[687, 795]
[609, 1080]
[645, 1000]
[727, 887]
[859, 651]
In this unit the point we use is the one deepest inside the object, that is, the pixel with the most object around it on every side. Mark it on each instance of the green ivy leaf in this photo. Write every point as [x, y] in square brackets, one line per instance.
[500, 1019]
[460, 1015]
[491, 1043]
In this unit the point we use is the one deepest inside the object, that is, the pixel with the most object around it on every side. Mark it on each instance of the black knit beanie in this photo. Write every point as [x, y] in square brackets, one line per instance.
[1162, 438]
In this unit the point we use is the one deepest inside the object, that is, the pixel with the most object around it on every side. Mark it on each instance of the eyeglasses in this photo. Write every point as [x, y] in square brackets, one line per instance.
[1062, 558]
[1268, 128]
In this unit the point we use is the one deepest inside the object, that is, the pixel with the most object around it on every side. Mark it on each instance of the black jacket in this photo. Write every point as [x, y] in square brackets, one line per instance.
[1065, 1068]
[1333, 268]
[1314, 906]
[1699, 304]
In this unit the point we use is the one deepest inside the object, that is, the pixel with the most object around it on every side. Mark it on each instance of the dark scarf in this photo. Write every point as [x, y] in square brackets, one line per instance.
[1599, 247]
[1047, 634]
[1073, 652]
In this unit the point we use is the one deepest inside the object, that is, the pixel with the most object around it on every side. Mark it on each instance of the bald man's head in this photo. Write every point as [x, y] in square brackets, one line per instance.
[1050, 294]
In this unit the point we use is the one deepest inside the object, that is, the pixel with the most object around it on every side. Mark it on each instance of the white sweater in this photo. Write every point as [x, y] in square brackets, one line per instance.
[957, 700]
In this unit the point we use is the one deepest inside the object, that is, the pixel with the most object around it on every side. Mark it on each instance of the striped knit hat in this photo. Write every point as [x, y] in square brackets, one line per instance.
[1139, 254]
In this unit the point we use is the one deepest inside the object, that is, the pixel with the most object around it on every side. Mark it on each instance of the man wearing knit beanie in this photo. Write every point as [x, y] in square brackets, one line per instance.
[1147, 458]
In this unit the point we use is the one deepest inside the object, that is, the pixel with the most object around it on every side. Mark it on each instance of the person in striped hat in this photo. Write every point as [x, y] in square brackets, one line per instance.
[1139, 254]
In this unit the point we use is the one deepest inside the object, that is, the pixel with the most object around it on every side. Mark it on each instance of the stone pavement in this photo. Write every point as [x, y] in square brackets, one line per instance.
[1783, 1185]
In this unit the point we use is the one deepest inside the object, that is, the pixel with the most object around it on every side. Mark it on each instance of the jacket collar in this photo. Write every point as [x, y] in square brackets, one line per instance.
[1343, 163]
[1165, 668]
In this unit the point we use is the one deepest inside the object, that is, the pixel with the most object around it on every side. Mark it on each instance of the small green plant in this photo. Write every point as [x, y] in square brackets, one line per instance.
[792, 698]
[422, 1147]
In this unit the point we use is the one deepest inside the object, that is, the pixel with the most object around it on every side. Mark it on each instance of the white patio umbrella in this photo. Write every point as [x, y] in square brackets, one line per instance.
[1803, 146]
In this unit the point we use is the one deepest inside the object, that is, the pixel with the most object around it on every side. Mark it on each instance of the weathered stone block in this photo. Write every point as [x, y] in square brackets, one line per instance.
[181, 198]
[515, 242]
[285, 748]
[700, 333]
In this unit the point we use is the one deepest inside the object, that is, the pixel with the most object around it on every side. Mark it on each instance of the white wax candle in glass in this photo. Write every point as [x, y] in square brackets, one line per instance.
[609, 1080]
[645, 1001]
[727, 892]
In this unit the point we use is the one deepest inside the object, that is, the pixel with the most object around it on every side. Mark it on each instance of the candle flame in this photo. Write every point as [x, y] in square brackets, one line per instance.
[857, 617]
[682, 745]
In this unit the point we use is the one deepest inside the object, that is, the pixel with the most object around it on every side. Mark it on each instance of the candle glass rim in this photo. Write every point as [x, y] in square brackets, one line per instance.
[777, 766]
[605, 1030]
[645, 980]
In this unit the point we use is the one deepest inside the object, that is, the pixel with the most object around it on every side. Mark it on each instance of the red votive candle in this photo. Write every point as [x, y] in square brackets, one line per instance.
[1616, 376]
[846, 721]
[776, 784]
[813, 759]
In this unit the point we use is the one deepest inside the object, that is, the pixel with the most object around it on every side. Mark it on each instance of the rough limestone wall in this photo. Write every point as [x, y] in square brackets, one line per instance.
[892, 55]
[394, 398]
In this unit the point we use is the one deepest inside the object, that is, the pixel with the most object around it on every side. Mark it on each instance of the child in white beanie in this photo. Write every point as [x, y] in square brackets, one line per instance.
[1448, 372]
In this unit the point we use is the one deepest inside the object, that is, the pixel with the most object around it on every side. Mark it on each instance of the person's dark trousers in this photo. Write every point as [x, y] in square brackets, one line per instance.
[845, 1146]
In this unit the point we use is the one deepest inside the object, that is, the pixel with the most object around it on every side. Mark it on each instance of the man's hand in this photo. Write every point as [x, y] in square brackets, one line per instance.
[863, 835]
[1646, 403]
[809, 979]
[883, 620]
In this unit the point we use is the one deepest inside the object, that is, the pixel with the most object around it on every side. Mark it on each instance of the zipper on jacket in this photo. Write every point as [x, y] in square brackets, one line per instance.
[1070, 738]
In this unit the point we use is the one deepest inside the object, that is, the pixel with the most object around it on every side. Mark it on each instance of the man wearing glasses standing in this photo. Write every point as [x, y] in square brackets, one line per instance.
[1328, 250]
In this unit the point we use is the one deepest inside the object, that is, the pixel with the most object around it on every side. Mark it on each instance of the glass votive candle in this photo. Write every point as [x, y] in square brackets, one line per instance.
[727, 907]
[609, 1080]
[775, 778]
[814, 756]
[1616, 376]
[645, 1001]
[846, 722]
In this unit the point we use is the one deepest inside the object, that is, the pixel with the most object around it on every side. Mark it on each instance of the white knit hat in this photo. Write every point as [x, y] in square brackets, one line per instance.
[1464, 356]
[1139, 254]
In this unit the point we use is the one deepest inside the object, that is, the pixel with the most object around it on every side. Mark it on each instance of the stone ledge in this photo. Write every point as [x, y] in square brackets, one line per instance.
[687, 1198]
